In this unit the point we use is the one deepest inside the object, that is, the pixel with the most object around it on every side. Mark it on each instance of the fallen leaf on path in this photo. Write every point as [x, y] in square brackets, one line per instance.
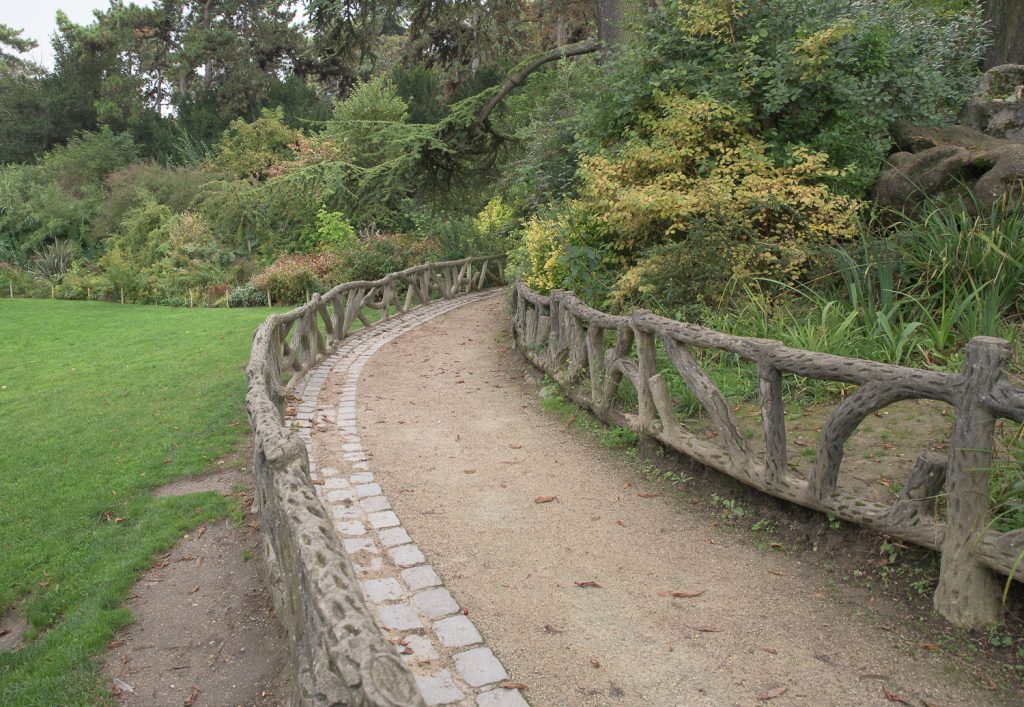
[551, 629]
[772, 694]
[711, 541]
[192, 697]
[929, 646]
[772, 651]
[888, 445]
[992, 684]
[588, 585]
[893, 697]
[469, 471]
[776, 573]
[619, 522]
[777, 546]
[194, 589]
[318, 482]
[595, 663]
[199, 533]
[646, 495]
[121, 686]
[545, 499]
[515, 446]
[4, 631]
[682, 595]
[508, 685]
[115, 644]
[706, 629]
[465, 611]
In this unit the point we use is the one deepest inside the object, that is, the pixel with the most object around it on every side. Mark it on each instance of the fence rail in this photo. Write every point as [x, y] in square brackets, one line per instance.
[338, 653]
[567, 339]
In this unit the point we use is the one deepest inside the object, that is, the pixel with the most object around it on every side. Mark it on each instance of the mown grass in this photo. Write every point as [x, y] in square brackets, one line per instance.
[99, 404]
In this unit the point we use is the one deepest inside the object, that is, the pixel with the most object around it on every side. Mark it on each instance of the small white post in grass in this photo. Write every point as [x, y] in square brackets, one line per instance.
[270, 302]
[191, 302]
[88, 293]
[10, 286]
[227, 298]
[53, 292]
[122, 294]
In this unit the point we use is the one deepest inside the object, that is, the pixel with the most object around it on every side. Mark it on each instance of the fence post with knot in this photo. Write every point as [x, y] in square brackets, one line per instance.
[968, 592]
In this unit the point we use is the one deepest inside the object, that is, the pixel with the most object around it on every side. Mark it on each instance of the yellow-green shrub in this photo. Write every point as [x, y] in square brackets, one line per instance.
[692, 167]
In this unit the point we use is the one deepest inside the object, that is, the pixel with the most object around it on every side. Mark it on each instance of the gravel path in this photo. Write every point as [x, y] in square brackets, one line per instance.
[454, 435]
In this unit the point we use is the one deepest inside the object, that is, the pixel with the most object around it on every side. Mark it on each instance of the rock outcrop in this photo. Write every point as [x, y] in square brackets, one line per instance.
[980, 162]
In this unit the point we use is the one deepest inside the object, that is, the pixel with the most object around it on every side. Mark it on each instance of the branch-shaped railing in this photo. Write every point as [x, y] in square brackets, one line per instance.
[590, 353]
[338, 653]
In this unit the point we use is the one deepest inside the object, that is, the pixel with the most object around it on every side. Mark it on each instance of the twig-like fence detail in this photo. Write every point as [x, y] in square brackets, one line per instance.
[567, 339]
[338, 654]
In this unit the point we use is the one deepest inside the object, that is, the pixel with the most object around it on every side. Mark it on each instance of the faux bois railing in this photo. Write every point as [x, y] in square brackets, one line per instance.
[590, 353]
[338, 654]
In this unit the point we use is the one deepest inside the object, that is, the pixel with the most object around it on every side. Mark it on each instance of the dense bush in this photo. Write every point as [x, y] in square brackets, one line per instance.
[247, 295]
[291, 279]
[382, 252]
[831, 75]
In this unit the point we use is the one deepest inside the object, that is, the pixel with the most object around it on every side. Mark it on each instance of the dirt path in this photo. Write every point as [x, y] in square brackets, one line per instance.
[457, 440]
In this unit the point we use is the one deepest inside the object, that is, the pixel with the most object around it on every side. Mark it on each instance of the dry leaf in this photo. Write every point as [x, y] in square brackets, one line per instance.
[705, 629]
[509, 685]
[772, 651]
[595, 663]
[192, 697]
[545, 499]
[772, 694]
[619, 522]
[121, 686]
[777, 574]
[469, 471]
[777, 546]
[194, 589]
[515, 446]
[681, 595]
[586, 585]
[893, 697]
[551, 629]
[888, 445]
[929, 646]
[318, 482]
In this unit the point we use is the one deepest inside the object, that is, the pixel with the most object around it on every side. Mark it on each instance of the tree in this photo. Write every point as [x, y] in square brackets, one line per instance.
[1006, 17]
[11, 41]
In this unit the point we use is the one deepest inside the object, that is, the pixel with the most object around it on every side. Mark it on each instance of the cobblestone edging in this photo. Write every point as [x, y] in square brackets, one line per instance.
[443, 649]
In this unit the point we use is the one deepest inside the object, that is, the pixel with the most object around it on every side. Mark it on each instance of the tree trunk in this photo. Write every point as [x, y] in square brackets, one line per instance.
[609, 23]
[1006, 18]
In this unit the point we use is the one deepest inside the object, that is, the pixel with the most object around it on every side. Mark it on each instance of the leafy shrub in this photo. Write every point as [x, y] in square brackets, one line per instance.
[247, 295]
[81, 165]
[83, 281]
[828, 74]
[333, 233]
[383, 252]
[692, 168]
[292, 278]
[495, 224]
[540, 258]
[247, 150]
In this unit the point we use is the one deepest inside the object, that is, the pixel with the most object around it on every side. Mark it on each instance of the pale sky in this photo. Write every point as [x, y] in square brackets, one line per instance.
[38, 19]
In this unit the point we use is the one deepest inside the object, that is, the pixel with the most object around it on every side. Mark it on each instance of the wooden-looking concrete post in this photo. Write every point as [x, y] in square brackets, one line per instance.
[968, 591]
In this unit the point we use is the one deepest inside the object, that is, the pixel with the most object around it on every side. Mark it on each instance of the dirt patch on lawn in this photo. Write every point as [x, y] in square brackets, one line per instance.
[205, 630]
[12, 626]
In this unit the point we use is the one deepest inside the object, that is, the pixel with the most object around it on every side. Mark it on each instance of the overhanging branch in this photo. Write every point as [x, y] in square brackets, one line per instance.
[528, 67]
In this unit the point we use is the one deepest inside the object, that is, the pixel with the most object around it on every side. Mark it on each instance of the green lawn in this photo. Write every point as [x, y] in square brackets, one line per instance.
[99, 404]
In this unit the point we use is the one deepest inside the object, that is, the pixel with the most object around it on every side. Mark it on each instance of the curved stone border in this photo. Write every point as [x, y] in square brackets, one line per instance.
[447, 655]
[338, 654]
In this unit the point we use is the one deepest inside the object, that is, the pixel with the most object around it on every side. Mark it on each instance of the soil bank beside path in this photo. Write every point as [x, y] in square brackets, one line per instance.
[463, 450]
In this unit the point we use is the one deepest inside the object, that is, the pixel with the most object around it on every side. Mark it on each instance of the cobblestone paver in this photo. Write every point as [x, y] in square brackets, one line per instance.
[442, 647]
